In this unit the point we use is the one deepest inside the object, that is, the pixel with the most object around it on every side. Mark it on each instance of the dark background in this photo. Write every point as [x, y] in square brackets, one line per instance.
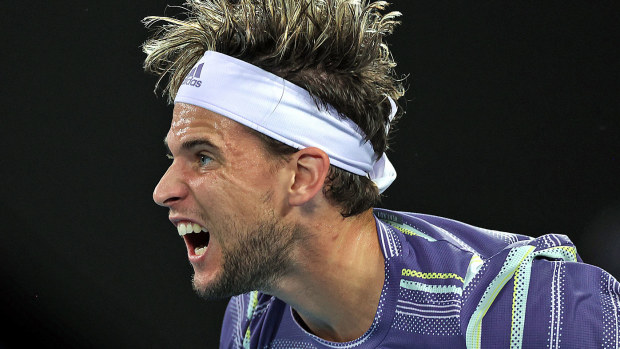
[512, 124]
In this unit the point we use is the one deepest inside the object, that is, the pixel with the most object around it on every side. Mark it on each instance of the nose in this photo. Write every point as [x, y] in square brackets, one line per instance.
[171, 187]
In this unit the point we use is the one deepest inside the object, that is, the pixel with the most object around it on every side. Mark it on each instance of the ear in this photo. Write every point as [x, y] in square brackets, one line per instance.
[310, 166]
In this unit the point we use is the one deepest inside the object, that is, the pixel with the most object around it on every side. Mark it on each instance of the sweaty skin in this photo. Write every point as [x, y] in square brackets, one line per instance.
[270, 226]
[219, 179]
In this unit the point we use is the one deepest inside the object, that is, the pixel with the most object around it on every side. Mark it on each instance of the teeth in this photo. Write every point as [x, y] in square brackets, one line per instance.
[199, 251]
[187, 228]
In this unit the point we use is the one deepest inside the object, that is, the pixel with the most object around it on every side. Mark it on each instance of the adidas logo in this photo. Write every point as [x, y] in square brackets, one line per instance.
[192, 78]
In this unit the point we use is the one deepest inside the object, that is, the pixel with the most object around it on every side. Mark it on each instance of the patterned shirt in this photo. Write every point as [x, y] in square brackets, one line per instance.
[452, 285]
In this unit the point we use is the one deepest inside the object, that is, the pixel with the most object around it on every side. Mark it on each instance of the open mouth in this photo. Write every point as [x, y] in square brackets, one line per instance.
[196, 237]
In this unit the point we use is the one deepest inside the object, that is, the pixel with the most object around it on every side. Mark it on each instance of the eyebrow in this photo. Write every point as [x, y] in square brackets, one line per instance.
[193, 143]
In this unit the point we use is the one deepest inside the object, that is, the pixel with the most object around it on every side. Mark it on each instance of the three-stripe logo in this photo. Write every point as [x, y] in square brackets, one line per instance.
[192, 78]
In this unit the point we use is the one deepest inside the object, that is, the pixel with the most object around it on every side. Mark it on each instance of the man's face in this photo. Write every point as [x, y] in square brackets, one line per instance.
[222, 181]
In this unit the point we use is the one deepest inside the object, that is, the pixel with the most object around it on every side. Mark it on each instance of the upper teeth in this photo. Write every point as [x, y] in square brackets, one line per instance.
[186, 228]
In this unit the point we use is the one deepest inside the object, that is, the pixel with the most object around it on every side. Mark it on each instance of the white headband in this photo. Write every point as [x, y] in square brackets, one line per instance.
[283, 111]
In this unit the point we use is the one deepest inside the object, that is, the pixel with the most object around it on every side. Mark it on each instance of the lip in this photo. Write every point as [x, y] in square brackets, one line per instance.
[177, 219]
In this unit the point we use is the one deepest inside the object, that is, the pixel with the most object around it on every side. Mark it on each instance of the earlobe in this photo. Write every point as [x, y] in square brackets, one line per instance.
[311, 166]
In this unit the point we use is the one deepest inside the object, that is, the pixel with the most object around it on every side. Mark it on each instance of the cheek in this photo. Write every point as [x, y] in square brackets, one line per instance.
[245, 187]
[222, 193]
[208, 195]
[204, 186]
[251, 164]
[250, 171]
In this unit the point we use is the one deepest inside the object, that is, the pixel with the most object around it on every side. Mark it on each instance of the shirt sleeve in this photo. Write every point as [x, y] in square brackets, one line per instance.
[540, 294]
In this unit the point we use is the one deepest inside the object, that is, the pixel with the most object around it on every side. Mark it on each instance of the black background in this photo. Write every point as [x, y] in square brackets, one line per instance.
[512, 124]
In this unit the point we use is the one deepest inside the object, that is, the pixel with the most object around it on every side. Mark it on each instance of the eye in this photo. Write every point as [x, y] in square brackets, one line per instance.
[204, 159]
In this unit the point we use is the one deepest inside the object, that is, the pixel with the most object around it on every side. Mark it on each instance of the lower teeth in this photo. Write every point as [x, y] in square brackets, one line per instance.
[199, 251]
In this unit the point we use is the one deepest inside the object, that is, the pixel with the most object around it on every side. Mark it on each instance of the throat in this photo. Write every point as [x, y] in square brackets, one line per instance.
[343, 329]
[342, 313]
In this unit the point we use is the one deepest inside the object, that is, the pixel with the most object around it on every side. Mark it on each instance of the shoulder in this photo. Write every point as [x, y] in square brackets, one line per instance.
[513, 290]
[539, 293]
[441, 247]
[463, 236]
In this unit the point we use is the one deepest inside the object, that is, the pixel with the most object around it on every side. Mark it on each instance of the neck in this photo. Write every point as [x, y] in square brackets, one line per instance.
[335, 287]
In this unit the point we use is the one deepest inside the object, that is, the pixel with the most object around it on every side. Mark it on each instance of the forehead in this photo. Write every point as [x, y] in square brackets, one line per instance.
[189, 121]
[230, 141]
[185, 117]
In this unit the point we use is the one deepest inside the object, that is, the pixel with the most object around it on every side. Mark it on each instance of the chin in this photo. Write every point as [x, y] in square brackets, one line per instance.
[198, 285]
[209, 288]
[202, 283]
[202, 289]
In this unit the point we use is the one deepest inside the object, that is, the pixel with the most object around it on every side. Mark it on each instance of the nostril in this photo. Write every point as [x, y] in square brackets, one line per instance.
[170, 201]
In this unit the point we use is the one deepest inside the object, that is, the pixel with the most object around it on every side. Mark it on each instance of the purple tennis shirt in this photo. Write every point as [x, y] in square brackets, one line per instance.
[452, 285]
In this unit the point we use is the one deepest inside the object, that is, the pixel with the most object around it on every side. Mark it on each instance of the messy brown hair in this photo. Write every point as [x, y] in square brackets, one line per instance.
[334, 49]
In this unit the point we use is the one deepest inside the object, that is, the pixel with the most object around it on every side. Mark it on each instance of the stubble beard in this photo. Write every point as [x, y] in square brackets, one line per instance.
[255, 259]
